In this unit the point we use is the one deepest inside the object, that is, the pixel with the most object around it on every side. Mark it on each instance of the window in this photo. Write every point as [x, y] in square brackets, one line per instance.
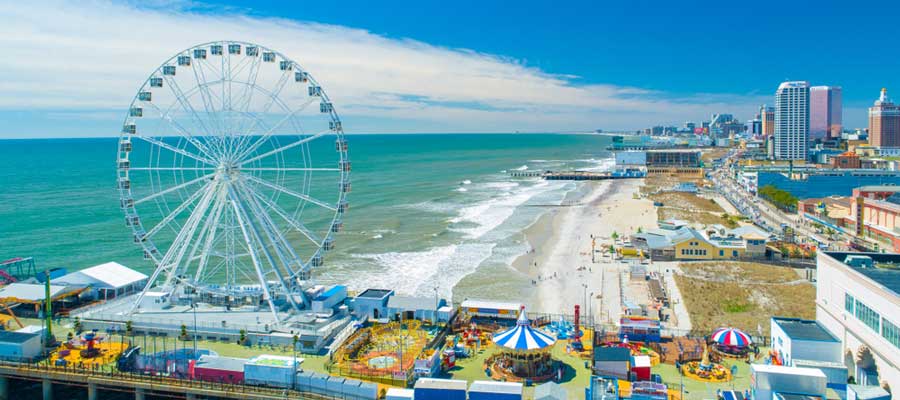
[734, 253]
[890, 332]
[868, 316]
[721, 253]
[848, 303]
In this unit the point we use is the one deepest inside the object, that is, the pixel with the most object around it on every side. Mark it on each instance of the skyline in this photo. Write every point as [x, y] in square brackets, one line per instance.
[423, 76]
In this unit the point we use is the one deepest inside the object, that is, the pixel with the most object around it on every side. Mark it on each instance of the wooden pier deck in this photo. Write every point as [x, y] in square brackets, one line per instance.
[568, 175]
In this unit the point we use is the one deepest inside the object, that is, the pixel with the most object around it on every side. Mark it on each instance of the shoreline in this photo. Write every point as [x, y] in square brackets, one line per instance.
[559, 263]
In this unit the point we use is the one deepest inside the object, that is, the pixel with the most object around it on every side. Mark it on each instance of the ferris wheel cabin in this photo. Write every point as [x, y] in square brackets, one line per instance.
[268, 56]
[340, 144]
[168, 70]
[156, 82]
[326, 108]
[286, 65]
[315, 91]
[301, 76]
[252, 51]
[343, 206]
[215, 49]
[234, 48]
[145, 96]
[184, 61]
[136, 112]
[335, 126]
[200, 54]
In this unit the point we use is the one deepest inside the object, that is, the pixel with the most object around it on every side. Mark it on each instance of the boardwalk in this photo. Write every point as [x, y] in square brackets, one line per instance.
[569, 175]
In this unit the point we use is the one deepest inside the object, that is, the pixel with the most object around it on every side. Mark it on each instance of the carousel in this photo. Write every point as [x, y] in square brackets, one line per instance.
[524, 354]
[731, 342]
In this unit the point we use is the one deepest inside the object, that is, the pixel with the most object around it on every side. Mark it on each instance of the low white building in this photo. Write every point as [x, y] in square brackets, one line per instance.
[776, 381]
[801, 339]
[107, 281]
[19, 346]
[858, 300]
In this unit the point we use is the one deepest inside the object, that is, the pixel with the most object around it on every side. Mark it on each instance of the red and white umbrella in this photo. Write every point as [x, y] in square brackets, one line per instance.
[731, 337]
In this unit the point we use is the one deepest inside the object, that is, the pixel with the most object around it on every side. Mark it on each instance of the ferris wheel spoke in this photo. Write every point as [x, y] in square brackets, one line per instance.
[209, 230]
[205, 95]
[277, 243]
[296, 225]
[290, 192]
[186, 105]
[257, 264]
[265, 136]
[172, 169]
[174, 149]
[173, 188]
[184, 133]
[182, 241]
[178, 210]
[288, 169]
[285, 147]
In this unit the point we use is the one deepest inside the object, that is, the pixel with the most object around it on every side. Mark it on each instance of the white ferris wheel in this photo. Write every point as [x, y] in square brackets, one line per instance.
[233, 173]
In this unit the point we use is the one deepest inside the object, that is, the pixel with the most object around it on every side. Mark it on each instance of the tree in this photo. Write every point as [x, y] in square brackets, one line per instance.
[615, 235]
[184, 333]
[77, 326]
[128, 328]
[640, 230]
[242, 340]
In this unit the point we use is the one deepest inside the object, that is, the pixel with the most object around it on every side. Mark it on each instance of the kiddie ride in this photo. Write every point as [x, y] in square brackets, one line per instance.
[88, 350]
[705, 370]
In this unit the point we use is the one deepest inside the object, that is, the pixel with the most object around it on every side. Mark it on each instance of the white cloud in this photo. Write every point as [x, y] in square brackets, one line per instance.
[94, 55]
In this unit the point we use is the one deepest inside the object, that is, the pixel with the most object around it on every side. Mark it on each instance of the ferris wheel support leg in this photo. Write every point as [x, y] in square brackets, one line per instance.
[254, 257]
[279, 244]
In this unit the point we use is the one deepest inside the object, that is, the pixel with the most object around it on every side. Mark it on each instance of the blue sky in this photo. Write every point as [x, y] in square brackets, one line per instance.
[529, 66]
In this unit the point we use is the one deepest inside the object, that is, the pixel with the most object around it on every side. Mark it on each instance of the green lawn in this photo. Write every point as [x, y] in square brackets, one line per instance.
[574, 381]
[703, 390]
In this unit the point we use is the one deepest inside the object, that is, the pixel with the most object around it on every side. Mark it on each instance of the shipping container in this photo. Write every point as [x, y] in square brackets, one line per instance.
[269, 370]
[219, 369]
[399, 394]
[491, 390]
[766, 380]
[440, 389]
[318, 383]
[335, 386]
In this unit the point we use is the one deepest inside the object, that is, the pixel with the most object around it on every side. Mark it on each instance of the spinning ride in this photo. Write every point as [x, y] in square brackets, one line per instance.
[525, 353]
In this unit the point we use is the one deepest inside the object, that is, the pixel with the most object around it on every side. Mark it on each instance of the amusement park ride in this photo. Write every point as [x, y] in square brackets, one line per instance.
[233, 174]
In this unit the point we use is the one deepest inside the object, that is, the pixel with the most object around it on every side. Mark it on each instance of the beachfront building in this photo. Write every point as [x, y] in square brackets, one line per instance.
[490, 309]
[792, 120]
[372, 303]
[858, 301]
[884, 122]
[806, 343]
[675, 162]
[674, 240]
[825, 112]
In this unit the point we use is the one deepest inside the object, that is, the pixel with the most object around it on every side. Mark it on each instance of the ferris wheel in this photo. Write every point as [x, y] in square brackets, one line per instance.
[233, 174]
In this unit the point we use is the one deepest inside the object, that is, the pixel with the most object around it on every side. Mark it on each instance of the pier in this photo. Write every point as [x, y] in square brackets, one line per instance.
[571, 175]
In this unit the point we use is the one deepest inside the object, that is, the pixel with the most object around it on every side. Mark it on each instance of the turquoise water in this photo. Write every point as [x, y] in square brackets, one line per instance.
[824, 186]
[426, 210]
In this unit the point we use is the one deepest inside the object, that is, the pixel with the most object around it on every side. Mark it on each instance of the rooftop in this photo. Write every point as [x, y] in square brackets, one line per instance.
[880, 188]
[802, 329]
[432, 383]
[490, 304]
[889, 278]
[375, 294]
[108, 275]
[221, 363]
[410, 303]
[496, 387]
[16, 337]
[612, 354]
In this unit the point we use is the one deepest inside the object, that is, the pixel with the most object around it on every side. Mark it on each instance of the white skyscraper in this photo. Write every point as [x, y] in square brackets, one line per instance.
[792, 120]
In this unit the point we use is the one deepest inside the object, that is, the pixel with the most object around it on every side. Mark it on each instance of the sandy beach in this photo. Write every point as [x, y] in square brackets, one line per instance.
[560, 264]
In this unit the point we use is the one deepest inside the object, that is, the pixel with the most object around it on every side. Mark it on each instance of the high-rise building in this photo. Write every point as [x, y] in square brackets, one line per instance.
[792, 120]
[884, 122]
[767, 117]
[824, 112]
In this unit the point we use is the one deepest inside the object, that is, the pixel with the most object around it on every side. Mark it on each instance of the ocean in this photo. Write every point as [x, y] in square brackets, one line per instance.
[427, 211]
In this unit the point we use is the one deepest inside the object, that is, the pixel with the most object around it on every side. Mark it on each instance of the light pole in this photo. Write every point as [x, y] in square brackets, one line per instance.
[194, 309]
[294, 365]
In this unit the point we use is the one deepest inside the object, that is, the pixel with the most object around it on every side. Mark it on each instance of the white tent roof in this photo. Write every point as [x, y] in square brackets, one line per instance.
[30, 291]
[111, 275]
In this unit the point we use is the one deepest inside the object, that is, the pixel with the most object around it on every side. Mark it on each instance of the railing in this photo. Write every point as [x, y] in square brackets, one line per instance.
[110, 376]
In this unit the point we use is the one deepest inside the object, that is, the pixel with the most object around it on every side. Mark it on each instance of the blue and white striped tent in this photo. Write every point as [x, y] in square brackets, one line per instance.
[523, 337]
